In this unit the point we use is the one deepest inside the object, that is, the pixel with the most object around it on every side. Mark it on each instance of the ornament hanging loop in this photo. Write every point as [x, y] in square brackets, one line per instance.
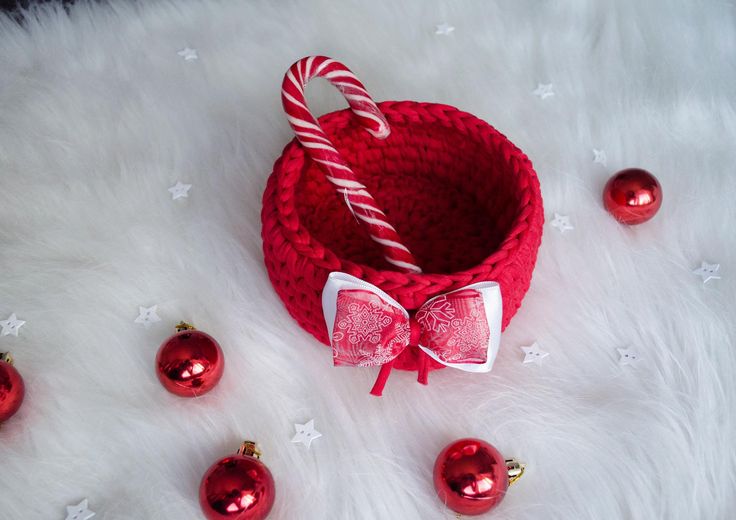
[249, 449]
[183, 325]
[6, 357]
[515, 470]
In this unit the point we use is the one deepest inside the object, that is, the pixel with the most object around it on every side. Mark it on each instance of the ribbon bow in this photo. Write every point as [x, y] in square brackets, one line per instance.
[460, 329]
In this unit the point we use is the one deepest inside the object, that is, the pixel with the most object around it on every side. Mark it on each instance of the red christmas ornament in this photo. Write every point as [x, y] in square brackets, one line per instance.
[12, 389]
[189, 363]
[471, 476]
[239, 487]
[632, 196]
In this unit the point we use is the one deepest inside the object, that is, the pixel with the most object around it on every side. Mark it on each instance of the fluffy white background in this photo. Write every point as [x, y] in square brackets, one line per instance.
[99, 116]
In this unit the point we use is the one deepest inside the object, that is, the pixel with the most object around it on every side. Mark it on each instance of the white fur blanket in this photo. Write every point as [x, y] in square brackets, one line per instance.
[99, 116]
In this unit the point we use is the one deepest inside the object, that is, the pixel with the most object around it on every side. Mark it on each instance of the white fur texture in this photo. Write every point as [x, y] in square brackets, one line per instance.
[99, 116]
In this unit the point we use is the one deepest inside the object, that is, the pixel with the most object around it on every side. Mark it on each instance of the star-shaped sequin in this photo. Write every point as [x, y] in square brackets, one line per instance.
[443, 29]
[11, 326]
[534, 354]
[561, 222]
[147, 316]
[544, 90]
[599, 156]
[627, 356]
[706, 271]
[79, 512]
[305, 434]
[188, 54]
[179, 190]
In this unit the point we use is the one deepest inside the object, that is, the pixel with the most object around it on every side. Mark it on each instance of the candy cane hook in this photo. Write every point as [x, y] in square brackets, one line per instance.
[321, 150]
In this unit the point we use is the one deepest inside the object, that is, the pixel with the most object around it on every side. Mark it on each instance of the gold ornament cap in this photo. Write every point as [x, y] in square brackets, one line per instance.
[6, 357]
[249, 449]
[183, 325]
[514, 469]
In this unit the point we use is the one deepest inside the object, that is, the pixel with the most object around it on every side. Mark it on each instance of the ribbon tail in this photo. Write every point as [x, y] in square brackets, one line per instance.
[423, 376]
[383, 374]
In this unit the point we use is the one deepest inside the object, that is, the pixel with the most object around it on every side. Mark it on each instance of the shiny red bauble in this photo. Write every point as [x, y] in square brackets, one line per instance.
[470, 476]
[189, 363]
[12, 389]
[632, 196]
[239, 487]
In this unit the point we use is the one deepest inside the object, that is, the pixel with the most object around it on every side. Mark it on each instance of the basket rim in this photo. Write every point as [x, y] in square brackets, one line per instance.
[504, 253]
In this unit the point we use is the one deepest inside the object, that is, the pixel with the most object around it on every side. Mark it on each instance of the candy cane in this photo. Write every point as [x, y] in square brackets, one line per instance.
[321, 150]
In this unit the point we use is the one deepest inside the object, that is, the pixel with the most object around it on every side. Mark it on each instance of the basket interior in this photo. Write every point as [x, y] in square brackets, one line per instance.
[452, 198]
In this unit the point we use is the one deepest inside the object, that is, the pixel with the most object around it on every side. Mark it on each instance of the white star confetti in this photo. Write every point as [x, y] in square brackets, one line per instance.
[706, 271]
[561, 222]
[534, 354]
[179, 190]
[188, 54]
[11, 326]
[627, 356]
[305, 434]
[599, 156]
[79, 512]
[147, 316]
[444, 29]
[544, 90]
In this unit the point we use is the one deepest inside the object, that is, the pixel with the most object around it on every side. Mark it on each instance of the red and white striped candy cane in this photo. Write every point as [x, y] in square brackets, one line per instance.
[320, 148]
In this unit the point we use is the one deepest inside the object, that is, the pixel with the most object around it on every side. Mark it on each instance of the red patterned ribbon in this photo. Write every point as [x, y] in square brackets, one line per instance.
[460, 329]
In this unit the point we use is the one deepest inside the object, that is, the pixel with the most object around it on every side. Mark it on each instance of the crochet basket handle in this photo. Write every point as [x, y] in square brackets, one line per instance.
[319, 147]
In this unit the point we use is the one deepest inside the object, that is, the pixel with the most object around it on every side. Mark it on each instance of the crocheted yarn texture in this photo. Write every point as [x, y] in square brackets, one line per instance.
[465, 200]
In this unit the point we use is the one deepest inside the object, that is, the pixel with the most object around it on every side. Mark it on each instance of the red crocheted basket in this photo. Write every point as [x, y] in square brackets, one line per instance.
[464, 199]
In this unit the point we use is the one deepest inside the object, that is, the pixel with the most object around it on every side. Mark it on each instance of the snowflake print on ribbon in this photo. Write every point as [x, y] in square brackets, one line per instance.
[465, 336]
[385, 353]
[380, 356]
[364, 322]
[436, 316]
[367, 331]
[401, 337]
[469, 341]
